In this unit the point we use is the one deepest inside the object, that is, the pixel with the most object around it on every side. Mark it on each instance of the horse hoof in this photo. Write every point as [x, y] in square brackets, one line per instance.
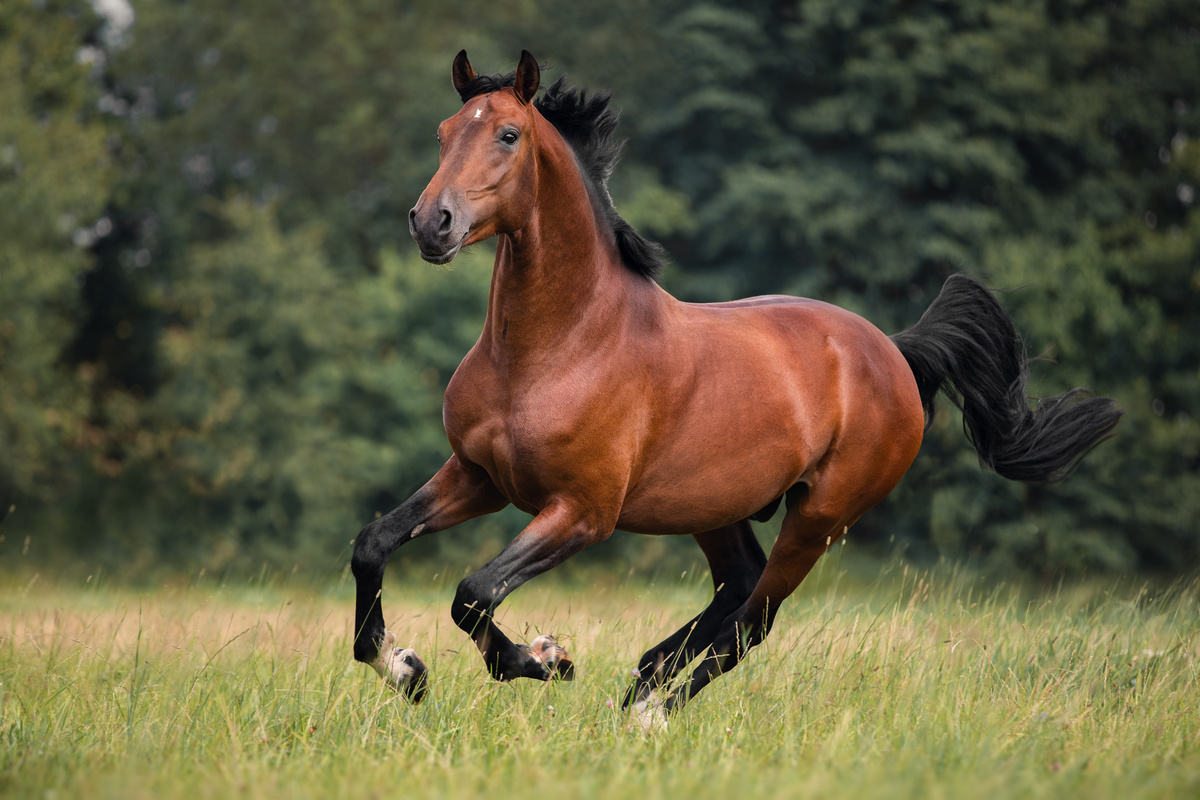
[402, 669]
[554, 658]
[648, 716]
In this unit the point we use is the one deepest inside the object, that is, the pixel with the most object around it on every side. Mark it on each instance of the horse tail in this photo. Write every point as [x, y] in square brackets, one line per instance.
[965, 345]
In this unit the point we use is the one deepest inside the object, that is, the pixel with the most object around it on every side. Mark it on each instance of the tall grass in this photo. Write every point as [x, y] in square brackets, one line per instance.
[910, 685]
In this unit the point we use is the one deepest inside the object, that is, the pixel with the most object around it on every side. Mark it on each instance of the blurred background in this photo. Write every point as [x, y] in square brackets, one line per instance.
[219, 350]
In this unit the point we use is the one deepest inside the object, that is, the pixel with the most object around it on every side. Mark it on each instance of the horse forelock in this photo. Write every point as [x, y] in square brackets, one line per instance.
[588, 125]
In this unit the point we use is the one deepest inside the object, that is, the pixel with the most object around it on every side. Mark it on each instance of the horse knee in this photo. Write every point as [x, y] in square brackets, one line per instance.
[368, 556]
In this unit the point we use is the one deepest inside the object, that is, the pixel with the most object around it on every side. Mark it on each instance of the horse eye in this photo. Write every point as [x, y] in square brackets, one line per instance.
[509, 137]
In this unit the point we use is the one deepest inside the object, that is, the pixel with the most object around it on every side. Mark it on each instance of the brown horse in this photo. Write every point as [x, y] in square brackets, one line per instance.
[594, 400]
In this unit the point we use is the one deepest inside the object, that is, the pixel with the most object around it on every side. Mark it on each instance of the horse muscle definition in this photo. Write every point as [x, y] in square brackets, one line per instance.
[594, 400]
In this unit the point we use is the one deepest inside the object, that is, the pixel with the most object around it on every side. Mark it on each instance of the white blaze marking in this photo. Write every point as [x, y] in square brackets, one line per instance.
[478, 113]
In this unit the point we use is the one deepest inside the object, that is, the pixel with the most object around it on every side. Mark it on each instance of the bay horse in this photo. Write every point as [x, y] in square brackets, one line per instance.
[594, 400]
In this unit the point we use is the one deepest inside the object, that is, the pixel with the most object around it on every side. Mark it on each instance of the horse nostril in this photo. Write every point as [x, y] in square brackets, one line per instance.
[447, 221]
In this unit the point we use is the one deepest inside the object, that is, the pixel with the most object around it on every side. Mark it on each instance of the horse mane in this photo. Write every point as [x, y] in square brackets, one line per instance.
[588, 125]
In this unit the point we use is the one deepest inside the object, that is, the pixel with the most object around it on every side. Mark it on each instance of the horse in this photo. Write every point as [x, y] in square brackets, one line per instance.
[594, 400]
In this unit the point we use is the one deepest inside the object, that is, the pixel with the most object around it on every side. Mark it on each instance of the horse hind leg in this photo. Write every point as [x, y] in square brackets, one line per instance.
[736, 561]
[803, 538]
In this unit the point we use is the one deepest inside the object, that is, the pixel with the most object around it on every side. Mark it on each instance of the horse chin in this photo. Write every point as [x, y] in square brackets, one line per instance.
[442, 258]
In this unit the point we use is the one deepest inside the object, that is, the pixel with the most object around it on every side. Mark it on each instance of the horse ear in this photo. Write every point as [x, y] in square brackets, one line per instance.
[529, 77]
[462, 73]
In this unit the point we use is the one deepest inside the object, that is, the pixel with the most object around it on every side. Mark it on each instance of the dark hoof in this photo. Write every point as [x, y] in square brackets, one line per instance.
[418, 687]
[553, 657]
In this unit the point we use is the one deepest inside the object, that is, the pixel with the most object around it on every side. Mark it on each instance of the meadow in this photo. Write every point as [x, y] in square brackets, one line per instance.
[876, 683]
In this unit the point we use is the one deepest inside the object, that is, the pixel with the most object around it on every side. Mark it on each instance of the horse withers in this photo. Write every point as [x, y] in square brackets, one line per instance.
[594, 400]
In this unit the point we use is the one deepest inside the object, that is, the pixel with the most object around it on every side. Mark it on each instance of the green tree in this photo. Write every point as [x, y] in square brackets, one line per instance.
[266, 158]
[216, 342]
[293, 395]
[54, 177]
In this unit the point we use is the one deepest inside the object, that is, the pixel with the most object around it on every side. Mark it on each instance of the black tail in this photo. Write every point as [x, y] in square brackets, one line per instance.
[966, 346]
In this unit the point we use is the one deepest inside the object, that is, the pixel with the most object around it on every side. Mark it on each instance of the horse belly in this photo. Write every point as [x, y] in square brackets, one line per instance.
[694, 507]
[719, 469]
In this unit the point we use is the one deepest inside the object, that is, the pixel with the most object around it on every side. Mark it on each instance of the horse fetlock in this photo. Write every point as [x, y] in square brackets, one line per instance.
[401, 669]
[366, 649]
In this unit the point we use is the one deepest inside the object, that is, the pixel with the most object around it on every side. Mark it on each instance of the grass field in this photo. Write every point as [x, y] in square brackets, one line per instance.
[904, 685]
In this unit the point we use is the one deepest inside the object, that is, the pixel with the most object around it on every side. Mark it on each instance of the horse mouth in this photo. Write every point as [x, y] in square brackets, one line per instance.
[444, 257]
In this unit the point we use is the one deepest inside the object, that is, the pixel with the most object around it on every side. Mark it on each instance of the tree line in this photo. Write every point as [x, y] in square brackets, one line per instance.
[218, 346]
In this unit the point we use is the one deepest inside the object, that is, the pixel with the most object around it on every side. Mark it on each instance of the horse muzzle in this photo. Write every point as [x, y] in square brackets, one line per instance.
[439, 228]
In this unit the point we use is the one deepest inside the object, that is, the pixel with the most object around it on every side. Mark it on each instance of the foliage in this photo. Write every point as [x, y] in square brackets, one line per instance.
[860, 152]
[54, 181]
[217, 346]
[291, 396]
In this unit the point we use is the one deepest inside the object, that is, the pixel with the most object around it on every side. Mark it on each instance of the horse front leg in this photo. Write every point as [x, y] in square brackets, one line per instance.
[557, 533]
[458, 492]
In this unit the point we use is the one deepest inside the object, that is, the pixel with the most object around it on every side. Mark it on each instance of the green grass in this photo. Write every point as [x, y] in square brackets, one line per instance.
[907, 685]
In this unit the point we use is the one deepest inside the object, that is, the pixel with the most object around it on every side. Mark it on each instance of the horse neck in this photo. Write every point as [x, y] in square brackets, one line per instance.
[558, 281]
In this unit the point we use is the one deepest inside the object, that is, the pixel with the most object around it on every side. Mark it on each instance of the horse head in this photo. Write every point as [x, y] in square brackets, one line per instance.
[487, 175]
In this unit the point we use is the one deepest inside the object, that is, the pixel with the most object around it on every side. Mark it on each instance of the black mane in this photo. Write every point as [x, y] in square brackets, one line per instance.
[588, 125]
